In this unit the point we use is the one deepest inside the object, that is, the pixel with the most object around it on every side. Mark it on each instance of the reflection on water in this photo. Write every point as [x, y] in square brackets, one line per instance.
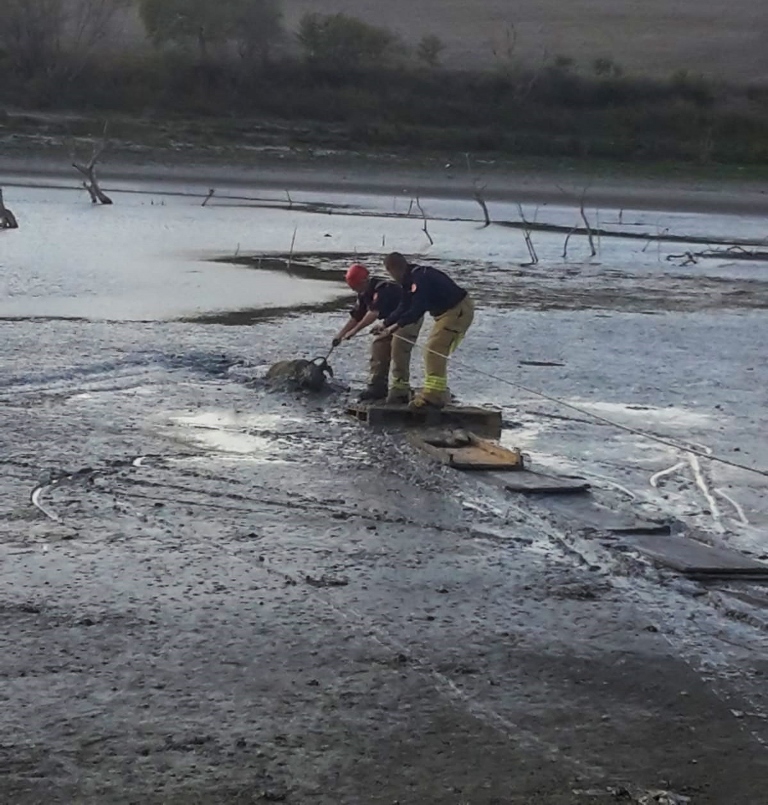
[229, 432]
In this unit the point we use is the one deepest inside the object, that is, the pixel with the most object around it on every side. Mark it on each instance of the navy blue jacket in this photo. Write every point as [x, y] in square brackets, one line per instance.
[426, 290]
[380, 295]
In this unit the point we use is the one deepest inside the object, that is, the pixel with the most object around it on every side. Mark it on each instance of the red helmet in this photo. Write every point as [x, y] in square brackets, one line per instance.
[356, 275]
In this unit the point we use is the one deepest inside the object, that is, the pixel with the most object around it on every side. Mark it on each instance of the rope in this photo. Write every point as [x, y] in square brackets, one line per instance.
[597, 417]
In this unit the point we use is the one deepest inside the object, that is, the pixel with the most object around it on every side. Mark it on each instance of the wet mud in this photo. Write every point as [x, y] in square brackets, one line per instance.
[215, 592]
[592, 285]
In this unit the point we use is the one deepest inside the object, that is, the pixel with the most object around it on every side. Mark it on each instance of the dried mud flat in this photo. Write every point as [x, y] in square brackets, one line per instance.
[211, 593]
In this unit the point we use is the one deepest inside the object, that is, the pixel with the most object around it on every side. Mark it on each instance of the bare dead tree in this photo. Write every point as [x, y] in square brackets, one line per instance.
[478, 192]
[587, 226]
[504, 52]
[91, 183]
[599, 230]
[210, 195]
[293, 245]
[567, 239]
[480, 199]
[7, 218]
[56, 37]
[527, 237]
[424, 217]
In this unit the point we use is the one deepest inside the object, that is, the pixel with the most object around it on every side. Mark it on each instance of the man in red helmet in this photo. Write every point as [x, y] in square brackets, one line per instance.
[377, 299]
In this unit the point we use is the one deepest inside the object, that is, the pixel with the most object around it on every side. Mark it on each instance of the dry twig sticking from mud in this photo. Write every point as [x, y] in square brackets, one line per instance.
[424, 217]
[527, 236]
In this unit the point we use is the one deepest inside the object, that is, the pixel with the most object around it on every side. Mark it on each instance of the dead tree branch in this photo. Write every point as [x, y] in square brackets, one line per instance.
[91, 183]
[480, 199]
[293, 246]
[478, 192]
[688, 258]
[587, 226]
[7, 218]
[527, 237]
[567, 239]
[733, 252]
[424, 216]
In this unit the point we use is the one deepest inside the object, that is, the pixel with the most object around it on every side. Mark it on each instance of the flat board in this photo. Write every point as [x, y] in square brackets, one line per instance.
[619, 517]
[536, 483]
[467, 451]
[697, 560]
[531, 483]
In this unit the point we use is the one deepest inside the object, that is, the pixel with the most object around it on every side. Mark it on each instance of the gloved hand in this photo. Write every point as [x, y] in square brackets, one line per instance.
[336, 341]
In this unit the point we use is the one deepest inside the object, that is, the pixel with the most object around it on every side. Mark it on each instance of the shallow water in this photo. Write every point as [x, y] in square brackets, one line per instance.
[144, 259]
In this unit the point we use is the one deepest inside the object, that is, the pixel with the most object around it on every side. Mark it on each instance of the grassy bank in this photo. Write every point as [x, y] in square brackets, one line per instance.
[555, 112]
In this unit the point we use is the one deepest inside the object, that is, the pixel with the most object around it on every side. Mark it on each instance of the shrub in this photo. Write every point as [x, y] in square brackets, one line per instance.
[340, 42]
[430, 50]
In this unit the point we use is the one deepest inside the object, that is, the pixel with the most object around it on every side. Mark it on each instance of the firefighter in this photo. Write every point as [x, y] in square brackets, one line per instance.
[377, 299]
[427, 289]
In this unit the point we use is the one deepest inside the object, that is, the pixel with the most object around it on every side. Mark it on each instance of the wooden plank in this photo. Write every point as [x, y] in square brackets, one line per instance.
[535, 483]
[618, 518]
[467, 451]
[697, 560]
[484, 421]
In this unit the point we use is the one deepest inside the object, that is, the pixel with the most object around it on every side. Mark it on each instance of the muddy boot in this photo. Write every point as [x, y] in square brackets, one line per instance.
[398, 397]
[422, 403]
[373, 394]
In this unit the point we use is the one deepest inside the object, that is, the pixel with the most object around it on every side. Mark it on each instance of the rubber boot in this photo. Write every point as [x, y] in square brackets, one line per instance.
[373, 393]
[399, 397]
[422, 403]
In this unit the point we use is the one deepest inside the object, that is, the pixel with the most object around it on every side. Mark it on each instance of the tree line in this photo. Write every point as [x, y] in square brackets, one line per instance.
[60, 37]
[353, 84]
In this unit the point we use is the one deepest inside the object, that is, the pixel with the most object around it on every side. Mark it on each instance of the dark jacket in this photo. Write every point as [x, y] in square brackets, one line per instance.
[380, 295]
[426, 290]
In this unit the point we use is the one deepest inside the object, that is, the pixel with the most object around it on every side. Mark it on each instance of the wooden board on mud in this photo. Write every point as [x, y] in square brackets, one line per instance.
[467, 451]
[486, 422]
[697, 560]
[536, 483]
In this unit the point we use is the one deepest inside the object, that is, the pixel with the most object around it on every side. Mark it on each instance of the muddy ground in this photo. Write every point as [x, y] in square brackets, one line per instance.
[211, 593]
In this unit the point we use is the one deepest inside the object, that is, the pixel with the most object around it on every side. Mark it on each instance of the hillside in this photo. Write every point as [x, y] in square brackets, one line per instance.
[717, 37]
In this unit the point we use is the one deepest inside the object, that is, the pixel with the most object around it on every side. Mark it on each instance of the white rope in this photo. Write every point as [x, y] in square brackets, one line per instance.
[597, 417]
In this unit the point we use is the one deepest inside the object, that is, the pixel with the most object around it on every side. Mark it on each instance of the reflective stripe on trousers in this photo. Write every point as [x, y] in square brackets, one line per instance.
[447, 333]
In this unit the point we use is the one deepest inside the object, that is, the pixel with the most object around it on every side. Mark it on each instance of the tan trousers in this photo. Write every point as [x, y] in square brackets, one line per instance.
[395, 353]
[448, 332]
